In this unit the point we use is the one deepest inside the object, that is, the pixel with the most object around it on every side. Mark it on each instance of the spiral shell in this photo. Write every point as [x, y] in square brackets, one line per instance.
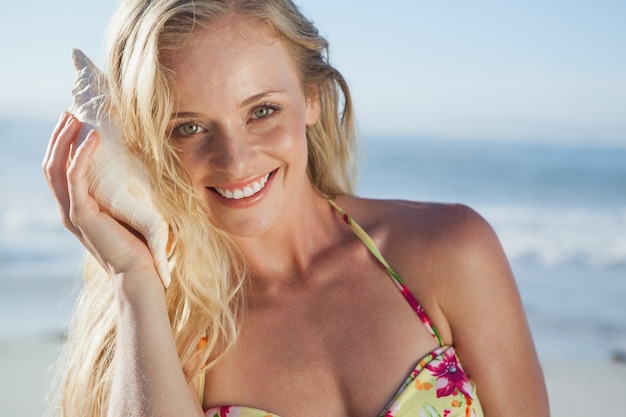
[116, 177]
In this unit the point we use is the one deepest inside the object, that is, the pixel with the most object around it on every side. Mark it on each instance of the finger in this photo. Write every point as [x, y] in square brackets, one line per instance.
[53, 137]
[85, 128]
[83, 154]
[56, 167]
[81, 203]
[58, 158]
[107, 239]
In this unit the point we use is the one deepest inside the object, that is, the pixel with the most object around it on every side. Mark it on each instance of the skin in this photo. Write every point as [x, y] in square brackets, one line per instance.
[326, 332]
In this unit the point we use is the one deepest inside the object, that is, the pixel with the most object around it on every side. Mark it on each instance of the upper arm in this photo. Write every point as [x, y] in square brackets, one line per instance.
[480, 301]
[453, 262]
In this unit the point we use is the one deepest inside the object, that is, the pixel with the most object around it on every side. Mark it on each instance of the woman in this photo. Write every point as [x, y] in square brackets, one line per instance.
[279, 300]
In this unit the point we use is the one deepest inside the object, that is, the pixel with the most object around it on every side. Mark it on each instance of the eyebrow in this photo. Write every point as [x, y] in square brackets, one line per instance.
[259, 96]
[246, 102]
[184, 115]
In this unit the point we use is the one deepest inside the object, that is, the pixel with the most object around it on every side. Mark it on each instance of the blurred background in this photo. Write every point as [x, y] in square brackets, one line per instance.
[517, 108]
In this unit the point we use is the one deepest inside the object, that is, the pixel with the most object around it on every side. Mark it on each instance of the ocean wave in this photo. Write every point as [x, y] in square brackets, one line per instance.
[549, 236]
[555, 235]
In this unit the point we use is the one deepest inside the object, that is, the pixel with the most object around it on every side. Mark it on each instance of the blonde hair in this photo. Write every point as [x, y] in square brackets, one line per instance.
[205, 297]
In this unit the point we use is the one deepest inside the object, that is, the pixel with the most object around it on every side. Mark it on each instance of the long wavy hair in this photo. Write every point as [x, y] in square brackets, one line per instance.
[205, 298]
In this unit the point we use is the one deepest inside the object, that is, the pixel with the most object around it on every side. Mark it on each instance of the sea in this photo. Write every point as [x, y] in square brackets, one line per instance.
[558, 209]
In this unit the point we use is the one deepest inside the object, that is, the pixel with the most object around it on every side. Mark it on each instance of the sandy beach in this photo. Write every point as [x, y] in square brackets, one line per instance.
[25, 377]
[575, 389]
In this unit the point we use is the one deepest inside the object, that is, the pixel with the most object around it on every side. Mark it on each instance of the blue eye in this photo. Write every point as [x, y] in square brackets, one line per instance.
[264, 110]
[189, 129]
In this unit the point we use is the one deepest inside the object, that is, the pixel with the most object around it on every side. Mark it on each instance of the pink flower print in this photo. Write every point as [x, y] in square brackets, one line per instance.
[224, 411]
[417, 308]
[230, 411]
[450, 375]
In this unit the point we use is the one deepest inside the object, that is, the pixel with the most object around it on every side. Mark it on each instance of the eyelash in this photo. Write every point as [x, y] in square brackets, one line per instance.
[176, 131]
[271, 106]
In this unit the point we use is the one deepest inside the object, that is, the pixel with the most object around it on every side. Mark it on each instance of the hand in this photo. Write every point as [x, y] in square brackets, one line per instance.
[120, 250]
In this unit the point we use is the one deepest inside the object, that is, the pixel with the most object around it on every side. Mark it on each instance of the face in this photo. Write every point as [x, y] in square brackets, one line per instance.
[240, 126]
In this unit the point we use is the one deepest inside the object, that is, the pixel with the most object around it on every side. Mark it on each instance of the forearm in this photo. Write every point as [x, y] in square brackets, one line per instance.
[147, 379]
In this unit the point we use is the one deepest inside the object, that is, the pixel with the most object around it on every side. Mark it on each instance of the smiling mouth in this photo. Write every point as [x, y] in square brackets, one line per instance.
[245, 192]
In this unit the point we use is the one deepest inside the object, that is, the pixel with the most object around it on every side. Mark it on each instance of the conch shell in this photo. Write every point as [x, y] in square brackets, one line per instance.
[117, 180]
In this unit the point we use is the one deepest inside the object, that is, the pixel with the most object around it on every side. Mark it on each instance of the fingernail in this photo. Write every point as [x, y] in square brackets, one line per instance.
[91, 135]
[60, 123]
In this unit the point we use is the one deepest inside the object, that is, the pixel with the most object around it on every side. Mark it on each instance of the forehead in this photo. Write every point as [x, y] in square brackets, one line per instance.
[234, 56]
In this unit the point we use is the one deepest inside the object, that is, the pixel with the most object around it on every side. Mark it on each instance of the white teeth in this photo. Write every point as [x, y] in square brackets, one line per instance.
[248, 191]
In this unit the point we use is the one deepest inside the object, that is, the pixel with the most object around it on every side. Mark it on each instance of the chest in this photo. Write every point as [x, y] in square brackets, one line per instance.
[338, 349]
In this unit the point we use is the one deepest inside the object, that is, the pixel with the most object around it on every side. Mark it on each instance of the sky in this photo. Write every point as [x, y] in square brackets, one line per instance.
[533, 70]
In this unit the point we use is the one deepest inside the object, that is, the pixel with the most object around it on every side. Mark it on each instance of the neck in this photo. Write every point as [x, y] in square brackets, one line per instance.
[285, 254]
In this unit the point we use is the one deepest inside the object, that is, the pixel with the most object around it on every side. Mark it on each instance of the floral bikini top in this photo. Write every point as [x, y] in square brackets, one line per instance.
[437, 387]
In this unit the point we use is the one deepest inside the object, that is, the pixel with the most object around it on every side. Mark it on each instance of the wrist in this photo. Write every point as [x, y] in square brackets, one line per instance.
[138, 286]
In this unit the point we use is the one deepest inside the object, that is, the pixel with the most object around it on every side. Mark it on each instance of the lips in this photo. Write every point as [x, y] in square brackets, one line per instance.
[247, 191]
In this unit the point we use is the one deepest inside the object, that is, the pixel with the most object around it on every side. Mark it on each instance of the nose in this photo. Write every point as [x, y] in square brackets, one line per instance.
[233, 153]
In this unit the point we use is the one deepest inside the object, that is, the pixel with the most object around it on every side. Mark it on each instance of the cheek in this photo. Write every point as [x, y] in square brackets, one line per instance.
[293, 141]
[191, 163]
[292, 150]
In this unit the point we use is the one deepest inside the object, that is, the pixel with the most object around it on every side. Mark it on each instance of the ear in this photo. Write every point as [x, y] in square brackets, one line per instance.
[313, 105]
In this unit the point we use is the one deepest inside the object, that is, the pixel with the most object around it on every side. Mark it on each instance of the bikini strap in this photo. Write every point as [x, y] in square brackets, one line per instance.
[371, 246]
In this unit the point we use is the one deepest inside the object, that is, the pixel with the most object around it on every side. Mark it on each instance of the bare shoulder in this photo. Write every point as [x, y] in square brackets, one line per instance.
[449, 245]
[407, 227]
[447, 254]
[455, 236]
[451, 259]
[438, 223]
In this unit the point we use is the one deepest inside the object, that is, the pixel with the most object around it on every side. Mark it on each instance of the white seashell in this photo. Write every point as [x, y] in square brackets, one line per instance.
[117, 179]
